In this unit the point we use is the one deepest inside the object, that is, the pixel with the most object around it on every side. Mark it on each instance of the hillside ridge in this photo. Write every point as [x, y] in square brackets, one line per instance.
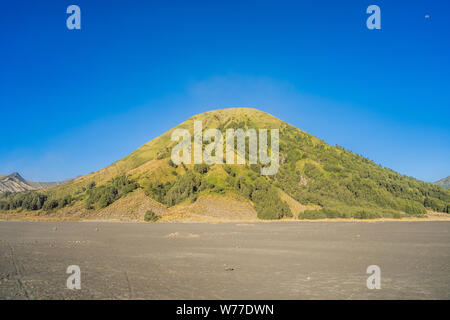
[315, 180]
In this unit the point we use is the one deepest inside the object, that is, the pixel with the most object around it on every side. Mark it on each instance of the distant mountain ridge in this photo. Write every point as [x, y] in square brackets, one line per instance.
[16, 183]
[444, 183]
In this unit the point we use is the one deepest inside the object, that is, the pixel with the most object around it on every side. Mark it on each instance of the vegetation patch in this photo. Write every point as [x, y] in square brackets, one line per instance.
[102, 196]
[150, 216]
[33, 201]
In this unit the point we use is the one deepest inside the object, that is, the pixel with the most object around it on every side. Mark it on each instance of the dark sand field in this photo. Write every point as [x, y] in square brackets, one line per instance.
[283, 260]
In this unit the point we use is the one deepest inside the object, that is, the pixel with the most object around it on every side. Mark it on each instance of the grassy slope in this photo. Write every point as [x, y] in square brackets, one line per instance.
[150, 162]
[312, 174]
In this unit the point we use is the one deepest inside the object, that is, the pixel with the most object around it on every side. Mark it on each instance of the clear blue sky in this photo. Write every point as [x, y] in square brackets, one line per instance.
[74, 101]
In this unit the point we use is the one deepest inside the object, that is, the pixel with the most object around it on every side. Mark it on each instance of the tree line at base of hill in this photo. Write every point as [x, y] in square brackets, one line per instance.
[95, 197]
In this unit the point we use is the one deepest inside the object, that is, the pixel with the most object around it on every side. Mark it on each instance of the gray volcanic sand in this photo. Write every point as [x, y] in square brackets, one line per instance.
[283, 260]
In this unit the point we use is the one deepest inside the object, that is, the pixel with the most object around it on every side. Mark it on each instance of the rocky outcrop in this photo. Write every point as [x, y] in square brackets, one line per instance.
[15, 183]
[444, 183]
